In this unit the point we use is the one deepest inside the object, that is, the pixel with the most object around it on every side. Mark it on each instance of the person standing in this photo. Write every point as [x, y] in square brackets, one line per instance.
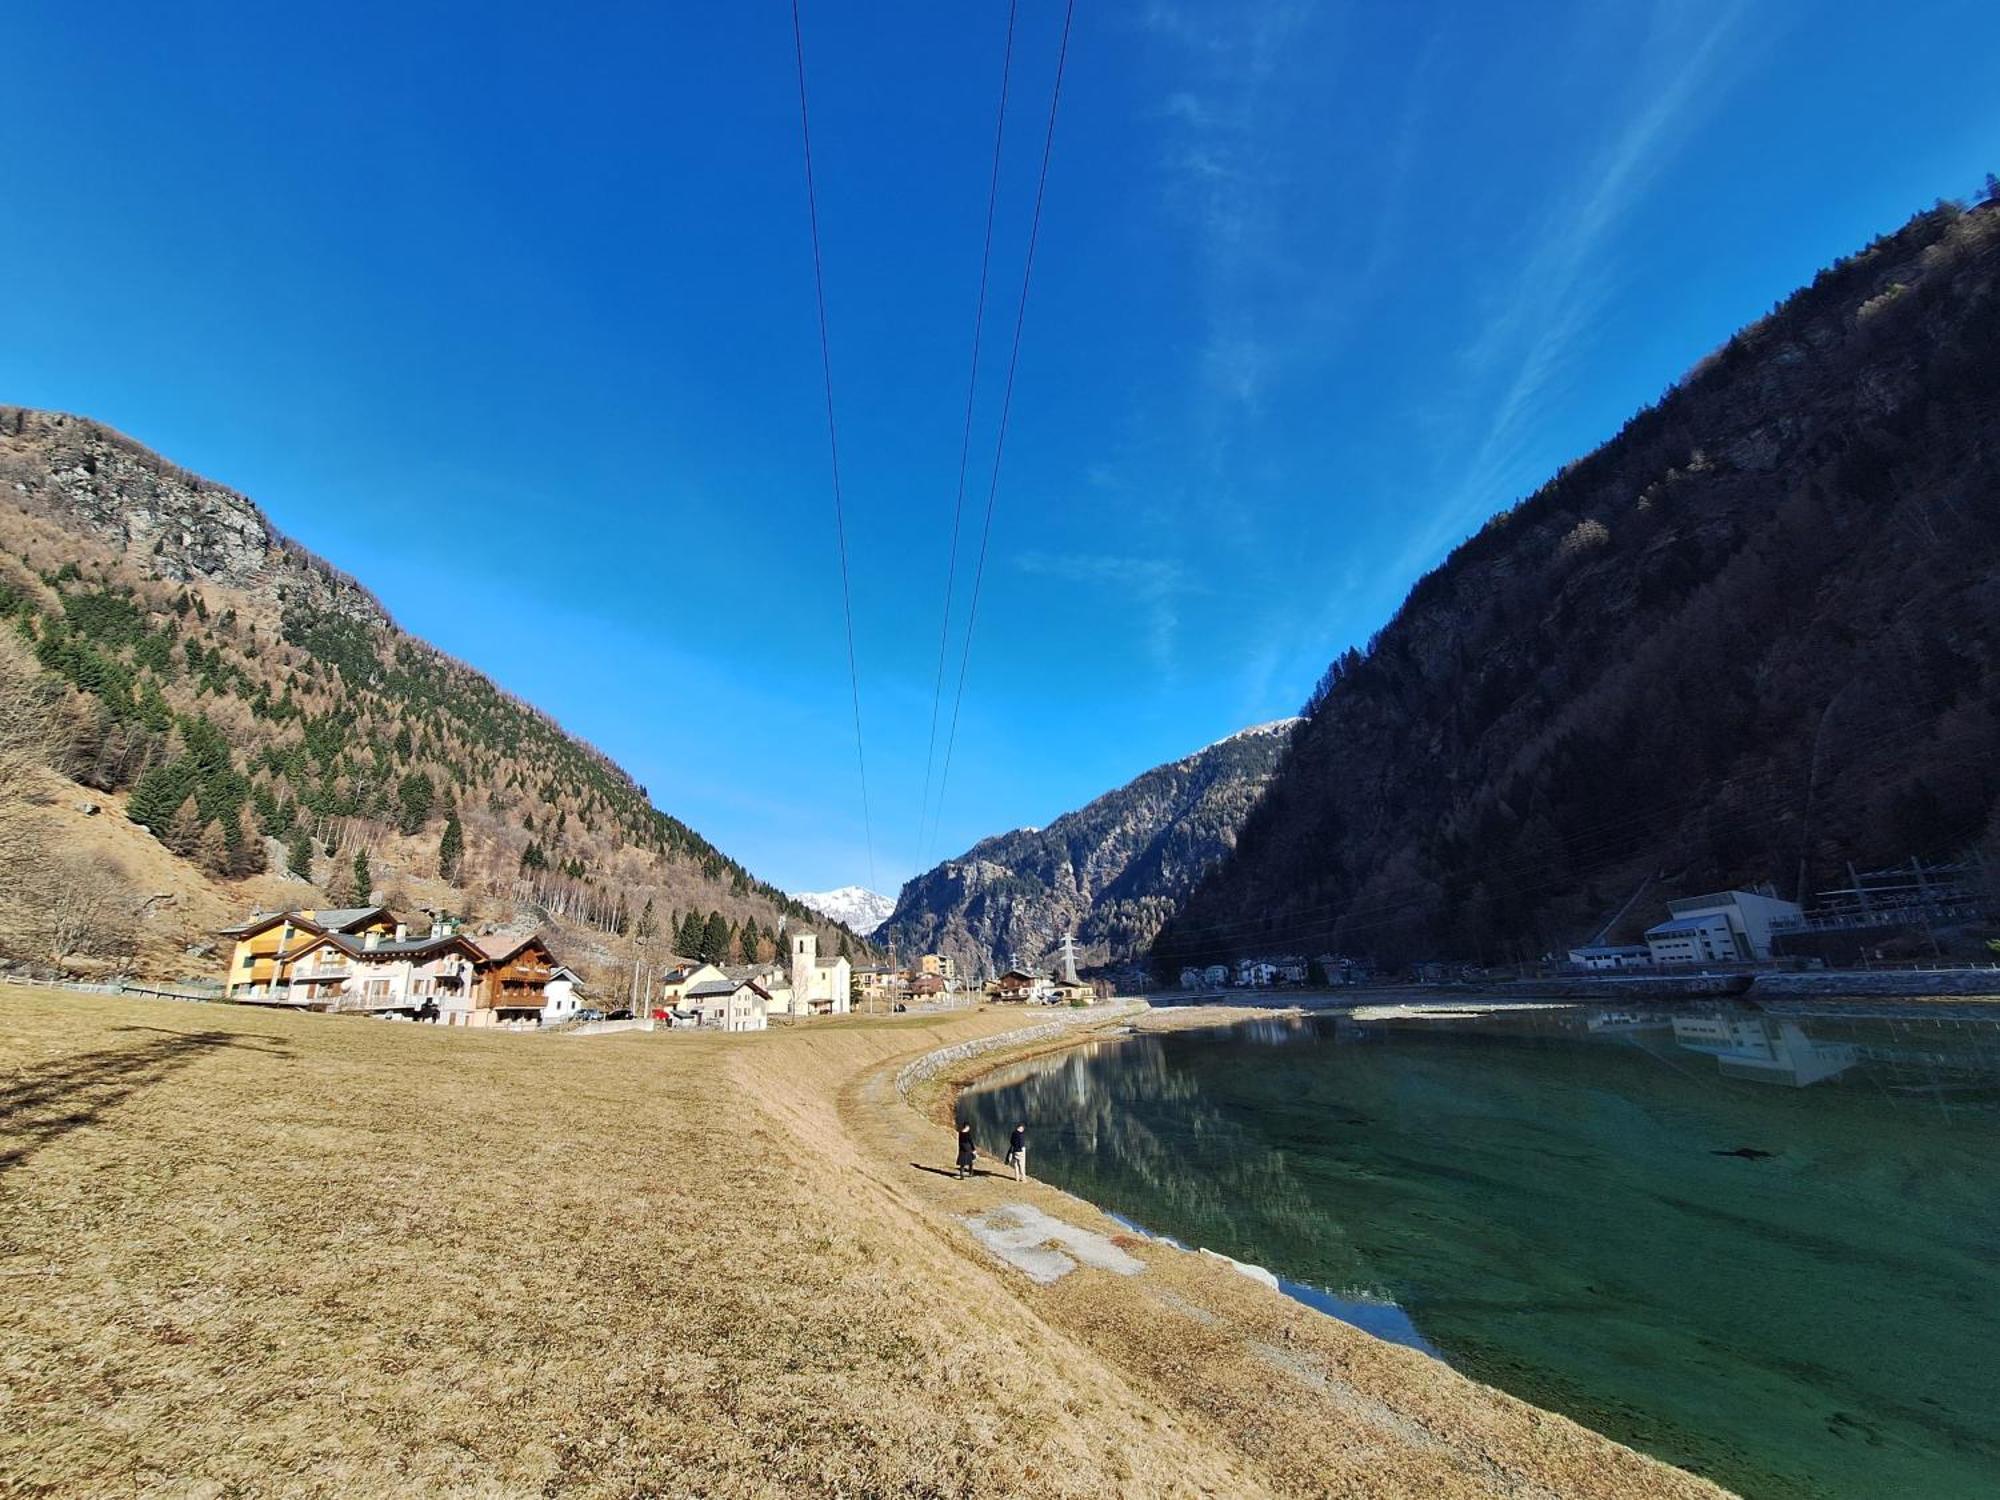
[967, 1153]
[1017, 1151]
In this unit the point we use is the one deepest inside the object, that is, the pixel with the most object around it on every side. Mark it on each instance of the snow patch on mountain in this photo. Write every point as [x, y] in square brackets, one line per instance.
[860, 909]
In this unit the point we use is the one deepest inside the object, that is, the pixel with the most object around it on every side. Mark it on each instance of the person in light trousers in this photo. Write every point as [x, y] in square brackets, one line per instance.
[1017, 1152]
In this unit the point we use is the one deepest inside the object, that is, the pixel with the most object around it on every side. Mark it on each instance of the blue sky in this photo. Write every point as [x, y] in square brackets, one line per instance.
[1320, 286]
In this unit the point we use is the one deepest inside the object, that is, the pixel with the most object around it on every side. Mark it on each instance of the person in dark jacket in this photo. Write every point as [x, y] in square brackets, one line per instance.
[967, 1154]
[1017, 1151]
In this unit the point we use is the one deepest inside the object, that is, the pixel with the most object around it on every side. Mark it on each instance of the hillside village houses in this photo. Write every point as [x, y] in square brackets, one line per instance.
[742, 997]
[365, 959]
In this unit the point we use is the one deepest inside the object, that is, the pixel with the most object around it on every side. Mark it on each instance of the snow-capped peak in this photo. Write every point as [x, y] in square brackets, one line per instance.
[861, 909]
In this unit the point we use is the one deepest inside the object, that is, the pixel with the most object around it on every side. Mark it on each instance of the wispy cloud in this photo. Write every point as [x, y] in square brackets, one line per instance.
[1561, 282]
[1152, 586]
[1226, 171]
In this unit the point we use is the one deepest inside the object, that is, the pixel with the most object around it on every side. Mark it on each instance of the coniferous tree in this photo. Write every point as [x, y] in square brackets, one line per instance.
[451, 849]
[746, 940]
[244, 847]
[648, 926]
[299, 852]
[692, 932]
[715, 939]
[414, 799]
[364, 878]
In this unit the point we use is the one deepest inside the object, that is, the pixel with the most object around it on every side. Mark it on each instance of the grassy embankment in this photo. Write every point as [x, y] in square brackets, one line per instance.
[275, 1254]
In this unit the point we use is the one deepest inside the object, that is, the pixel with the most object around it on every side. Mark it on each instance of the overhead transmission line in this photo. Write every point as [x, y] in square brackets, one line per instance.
[1006, 410]
[832, 437]
[965, 437]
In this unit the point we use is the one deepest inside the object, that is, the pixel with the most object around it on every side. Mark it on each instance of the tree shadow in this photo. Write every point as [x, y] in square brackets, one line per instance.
[44, 1103]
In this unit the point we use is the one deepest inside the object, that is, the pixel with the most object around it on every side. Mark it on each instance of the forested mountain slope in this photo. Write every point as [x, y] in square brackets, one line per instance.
[1754, 633]
[262, 711]
[1109, 873]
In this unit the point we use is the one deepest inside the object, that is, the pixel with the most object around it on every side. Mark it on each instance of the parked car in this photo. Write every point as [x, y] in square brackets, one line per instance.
[589, 1015]
[619, 1015]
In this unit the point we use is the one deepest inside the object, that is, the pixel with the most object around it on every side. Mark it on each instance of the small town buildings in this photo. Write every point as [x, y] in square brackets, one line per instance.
[1600, 958]
[364, 960]
[1725, 927]
[1262, 973]
[879, 985]
[924, 986]
[1019, 987]
[682, 977]
[562, 996]
[941, 966]
[729, 1004]
[1215, 976]
[1072, 992]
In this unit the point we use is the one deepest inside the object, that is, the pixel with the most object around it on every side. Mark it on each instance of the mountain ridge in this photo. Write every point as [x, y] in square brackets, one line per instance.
[257, 707]
[1109, 872]
[855, 907]
[1747, 640]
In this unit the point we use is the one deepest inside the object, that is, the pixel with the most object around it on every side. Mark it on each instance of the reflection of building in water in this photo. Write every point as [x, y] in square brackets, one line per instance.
[1764, 1050]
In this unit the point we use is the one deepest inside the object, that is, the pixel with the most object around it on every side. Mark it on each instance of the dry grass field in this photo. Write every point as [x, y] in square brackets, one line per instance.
[270, 1254]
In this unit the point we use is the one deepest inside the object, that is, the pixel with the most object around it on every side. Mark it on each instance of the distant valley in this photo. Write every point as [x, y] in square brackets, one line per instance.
[1109, 873]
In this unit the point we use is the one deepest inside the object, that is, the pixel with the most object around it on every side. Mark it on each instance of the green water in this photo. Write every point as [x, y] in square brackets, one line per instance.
[1541, 1193]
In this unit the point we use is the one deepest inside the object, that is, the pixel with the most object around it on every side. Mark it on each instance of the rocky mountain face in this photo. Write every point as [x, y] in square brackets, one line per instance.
[855, 907]
[1754, 637]
[261, 714]
[1110, 872]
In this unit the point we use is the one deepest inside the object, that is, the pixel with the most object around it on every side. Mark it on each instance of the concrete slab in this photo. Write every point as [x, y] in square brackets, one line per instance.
[1026, 1238]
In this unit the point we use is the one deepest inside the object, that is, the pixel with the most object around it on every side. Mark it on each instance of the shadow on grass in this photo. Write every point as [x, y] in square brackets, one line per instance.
[45, 1103]
[949, 1172]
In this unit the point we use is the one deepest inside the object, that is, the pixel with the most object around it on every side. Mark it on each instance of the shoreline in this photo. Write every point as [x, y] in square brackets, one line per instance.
[1299, 1371]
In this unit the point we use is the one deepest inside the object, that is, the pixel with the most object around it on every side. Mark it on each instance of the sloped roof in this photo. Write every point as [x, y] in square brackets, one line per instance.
[340, 918]
[1684, 924]
[332, 919]
[501, 946]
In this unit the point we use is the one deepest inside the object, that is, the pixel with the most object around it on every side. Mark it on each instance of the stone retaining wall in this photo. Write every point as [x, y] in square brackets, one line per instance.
[1882, 982]
[933, 1063]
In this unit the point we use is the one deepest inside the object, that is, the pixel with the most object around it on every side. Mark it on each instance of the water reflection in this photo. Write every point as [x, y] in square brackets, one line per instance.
[1761, 1242]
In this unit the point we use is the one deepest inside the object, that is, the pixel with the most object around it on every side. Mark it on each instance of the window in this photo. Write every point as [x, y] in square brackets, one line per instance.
[249, 959]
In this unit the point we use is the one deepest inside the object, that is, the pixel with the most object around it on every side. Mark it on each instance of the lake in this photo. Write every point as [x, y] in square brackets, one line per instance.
[1762, 1246]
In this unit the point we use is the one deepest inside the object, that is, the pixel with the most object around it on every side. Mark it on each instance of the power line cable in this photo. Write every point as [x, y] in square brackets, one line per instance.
[832, 437]
[965, 438]
[1006, 410]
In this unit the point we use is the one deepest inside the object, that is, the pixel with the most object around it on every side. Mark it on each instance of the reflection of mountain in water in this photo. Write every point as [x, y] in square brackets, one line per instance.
[1123, 1127]
[1605, 1212]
